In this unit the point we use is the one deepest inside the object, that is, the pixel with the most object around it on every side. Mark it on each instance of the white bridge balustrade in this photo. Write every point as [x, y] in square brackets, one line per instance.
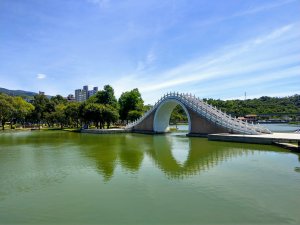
[200, 108]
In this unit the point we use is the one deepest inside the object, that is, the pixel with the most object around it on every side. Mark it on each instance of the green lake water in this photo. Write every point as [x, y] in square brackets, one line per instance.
[55, 177]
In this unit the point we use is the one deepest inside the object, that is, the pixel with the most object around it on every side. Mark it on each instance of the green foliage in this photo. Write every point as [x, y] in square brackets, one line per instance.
[262, 105]
[21, 109]
[26, 94]
[111, 115]
[134, 114]
[100, 114]
[130, 101]
[6, 109]
[41, 105]
[105, 97]
[93, 112]
[147, 107]
[72, 112]
[59, 115]
[13, 109]
[57, 111]
[103, 109]
[178, 115]
[58, 99]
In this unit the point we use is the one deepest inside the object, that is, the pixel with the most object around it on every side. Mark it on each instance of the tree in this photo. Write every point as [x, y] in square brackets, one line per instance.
[100, 114]
[58, 99]
[81, 113]
[41, 106]
[130, 101]
[93, 112]
[105, 97]
[178, 115]
[147, 107]
[134, 115]
[6, 109]
[50, 118]
[110, 115]
[72, 112]
[50, 115]
[59, 115]
[21, 109]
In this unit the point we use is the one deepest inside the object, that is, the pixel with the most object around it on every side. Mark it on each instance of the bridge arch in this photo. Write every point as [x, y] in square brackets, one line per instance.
[203, 118]
[163, 113]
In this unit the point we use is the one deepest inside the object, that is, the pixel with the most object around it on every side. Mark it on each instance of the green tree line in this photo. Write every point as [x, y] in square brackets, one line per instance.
[262, 105]
[101, 110]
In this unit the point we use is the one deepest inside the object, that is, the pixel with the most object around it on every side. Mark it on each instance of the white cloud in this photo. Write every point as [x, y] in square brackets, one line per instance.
[228, 63]
[263, 8]
[147, 62]
[41, 76]
[258, 61]
[151, 57]
[247, 12]
[275, 34]
[101, 3]
[269, 77]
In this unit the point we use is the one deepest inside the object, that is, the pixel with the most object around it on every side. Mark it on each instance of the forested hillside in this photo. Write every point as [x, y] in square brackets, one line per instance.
[262, 105]
[17, 92]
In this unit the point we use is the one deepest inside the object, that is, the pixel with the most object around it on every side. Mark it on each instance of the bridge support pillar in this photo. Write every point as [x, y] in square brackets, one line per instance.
[202, 127]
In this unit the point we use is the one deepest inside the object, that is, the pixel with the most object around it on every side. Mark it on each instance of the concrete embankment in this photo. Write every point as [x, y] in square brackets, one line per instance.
[274, 138]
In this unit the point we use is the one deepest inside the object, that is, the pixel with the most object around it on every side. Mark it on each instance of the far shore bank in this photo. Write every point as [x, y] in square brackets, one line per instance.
[41, 129]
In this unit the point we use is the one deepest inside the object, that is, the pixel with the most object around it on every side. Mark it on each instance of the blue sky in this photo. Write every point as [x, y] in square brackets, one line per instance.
[213, 49]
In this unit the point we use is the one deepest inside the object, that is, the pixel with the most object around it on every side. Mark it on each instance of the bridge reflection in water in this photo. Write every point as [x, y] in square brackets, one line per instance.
[178, 157]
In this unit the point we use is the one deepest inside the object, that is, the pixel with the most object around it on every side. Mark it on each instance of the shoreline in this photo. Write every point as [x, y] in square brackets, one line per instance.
[295, 147]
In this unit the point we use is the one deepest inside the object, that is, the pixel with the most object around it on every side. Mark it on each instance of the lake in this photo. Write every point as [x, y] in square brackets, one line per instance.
[57, 177]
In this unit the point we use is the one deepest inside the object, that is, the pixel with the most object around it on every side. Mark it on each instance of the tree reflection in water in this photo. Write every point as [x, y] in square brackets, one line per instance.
[129, 151]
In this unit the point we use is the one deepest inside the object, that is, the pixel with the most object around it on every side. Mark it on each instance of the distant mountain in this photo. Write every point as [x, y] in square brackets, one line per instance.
[19, 92]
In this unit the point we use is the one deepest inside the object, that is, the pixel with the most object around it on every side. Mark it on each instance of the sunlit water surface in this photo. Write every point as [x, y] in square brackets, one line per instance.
[51, 177]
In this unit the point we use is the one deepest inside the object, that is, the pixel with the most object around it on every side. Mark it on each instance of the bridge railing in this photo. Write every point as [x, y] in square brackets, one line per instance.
[223, 119]
[213, 114]
[217, 116]
[209, 112]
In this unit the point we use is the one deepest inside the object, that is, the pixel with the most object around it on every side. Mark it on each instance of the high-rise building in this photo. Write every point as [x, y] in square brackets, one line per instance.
[83, 94]
[80, 95]
[86, 88]
[92, 92]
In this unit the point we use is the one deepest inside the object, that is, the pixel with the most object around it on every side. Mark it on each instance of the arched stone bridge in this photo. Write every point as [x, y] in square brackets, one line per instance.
[203, 118]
